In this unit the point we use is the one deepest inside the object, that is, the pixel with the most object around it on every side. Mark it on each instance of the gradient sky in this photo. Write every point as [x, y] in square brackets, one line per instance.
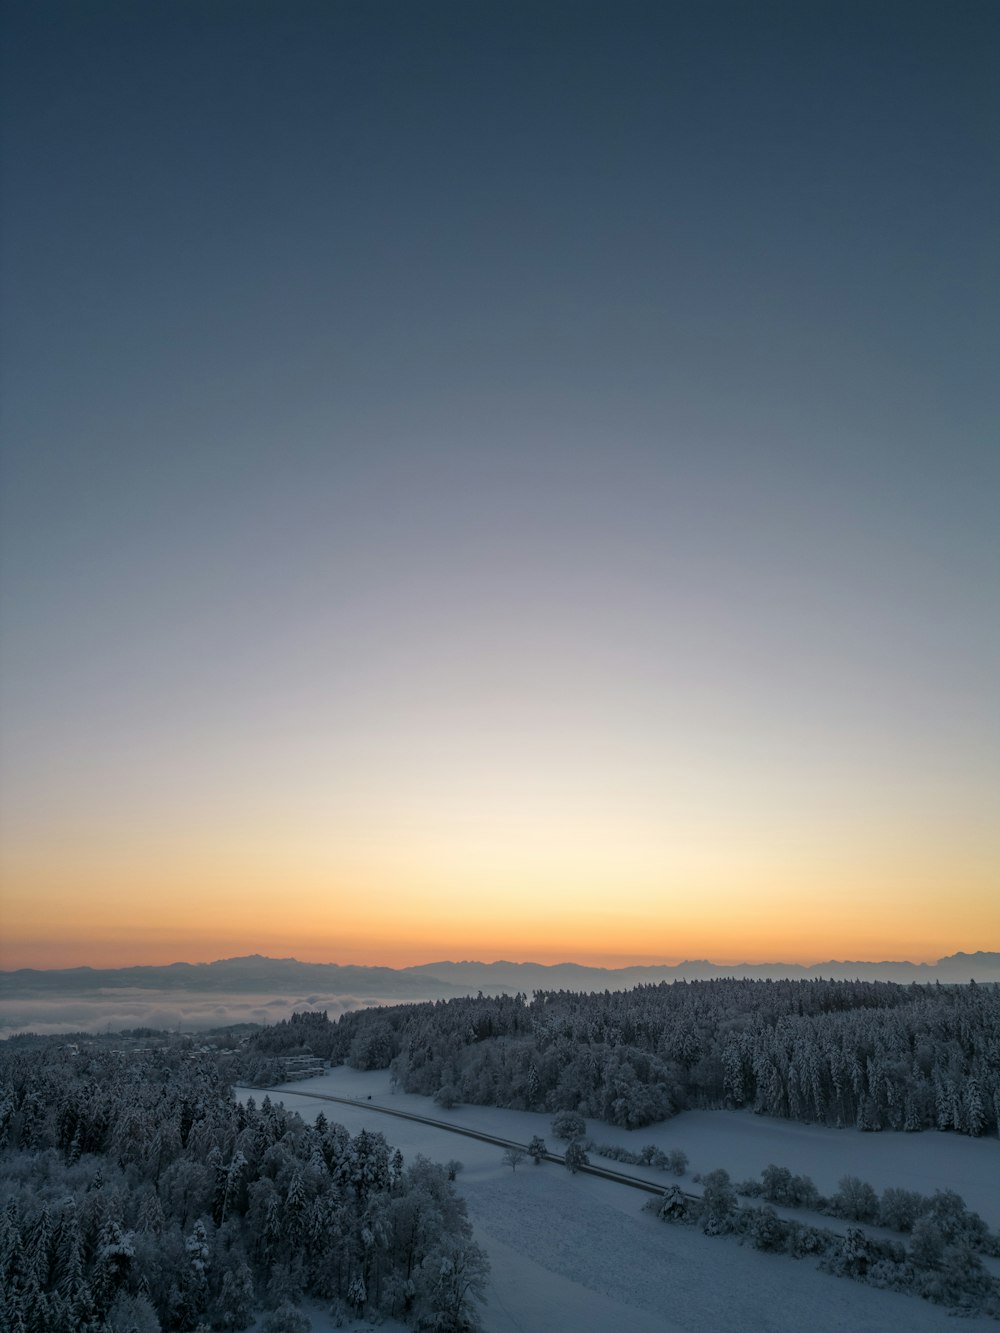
[500, 480]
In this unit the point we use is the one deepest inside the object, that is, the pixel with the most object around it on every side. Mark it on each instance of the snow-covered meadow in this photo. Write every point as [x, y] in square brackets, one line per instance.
[578, 1253]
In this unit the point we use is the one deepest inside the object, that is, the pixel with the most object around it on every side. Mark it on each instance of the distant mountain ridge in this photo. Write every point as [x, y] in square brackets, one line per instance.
[257, 973]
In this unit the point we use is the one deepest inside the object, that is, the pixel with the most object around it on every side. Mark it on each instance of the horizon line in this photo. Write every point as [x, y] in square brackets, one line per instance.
[525, 962]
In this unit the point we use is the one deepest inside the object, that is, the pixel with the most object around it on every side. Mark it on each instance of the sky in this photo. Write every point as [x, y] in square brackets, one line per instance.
[499, 480]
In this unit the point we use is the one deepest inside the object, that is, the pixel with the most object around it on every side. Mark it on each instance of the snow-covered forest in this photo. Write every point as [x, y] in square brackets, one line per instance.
[140, 1196]
[875, 1055]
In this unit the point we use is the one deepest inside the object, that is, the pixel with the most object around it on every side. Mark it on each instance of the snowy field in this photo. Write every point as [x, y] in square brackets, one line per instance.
[575, 1254]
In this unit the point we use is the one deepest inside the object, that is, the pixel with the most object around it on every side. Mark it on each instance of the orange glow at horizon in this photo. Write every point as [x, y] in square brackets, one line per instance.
[397, 908]
[424, 851]
[162, 949]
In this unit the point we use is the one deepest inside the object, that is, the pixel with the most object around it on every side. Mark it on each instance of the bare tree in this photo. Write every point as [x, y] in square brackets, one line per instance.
[513, 1156]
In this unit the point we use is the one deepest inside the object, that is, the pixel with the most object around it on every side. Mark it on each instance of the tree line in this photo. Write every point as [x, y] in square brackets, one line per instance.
[940, 1261]
[871, 1054]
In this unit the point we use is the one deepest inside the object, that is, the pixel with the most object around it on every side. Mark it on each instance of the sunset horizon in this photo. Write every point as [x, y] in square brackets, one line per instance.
[165, 957]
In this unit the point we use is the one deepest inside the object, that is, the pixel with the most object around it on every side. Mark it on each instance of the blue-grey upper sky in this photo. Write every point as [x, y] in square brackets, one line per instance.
[410, 401]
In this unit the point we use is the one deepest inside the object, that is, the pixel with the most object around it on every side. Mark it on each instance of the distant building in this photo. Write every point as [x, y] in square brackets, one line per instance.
[300, 1066]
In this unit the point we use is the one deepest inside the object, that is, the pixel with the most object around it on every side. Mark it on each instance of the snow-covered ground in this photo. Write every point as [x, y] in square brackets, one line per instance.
[578, 1253]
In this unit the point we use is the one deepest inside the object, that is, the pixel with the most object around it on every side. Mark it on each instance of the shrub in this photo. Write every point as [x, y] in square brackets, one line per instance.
[575, 1156]
[613, 1152]
[855, 1199]
[890, 1275]
[718, 1202]
[766, 1230]
[677, 1161]
[672, 1206]
[776, 1181]
[751, 1189]
[802, 1193]
[568, 1125]
[956, 1223]
[778, 1185]
[856, 1253]
[899, 1209]
[807, 1241]
[927, 1243]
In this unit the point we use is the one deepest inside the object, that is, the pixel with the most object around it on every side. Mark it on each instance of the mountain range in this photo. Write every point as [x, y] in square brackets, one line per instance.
[431, 981]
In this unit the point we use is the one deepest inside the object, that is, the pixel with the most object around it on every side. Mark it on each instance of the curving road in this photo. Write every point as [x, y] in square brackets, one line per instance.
[647, 1186]
[634, 1182]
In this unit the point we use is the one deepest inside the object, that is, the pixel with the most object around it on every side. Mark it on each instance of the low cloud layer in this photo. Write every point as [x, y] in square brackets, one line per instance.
[161, 1009]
